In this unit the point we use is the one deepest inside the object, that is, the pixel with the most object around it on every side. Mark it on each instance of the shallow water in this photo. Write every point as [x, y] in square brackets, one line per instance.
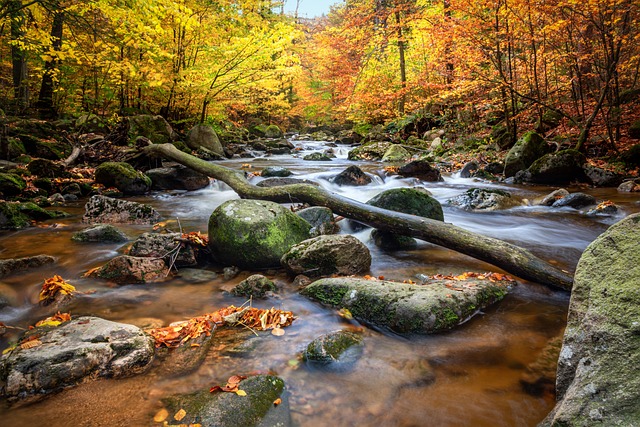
[469, 376]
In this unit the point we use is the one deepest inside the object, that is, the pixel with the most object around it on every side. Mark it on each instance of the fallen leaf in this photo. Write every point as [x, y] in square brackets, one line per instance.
[30, 344]
[277, 402]
[277, 332]
[161, 415]
[241, 393]
[54, 320]
[180, 415]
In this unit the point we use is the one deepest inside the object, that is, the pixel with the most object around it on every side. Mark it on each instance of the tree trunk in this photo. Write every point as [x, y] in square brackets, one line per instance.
[403, 66]
[18, 57]
[511, 258]
[45, 99]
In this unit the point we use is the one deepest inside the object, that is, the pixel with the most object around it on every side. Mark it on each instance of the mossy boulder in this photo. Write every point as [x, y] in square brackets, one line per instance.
[483, 199]
[529, 148]
[631, 157]
[336, 350]
[352, 176]
[340, 254]
[598, 379]
[370, 151]
[46, 168]
[254, 234]
[413, 201]
[436, 306]
[221, 409]
[275, 171]
[255, 286]
[14, 215]
[101, 233]
[317, 157]
[156, 128]
[556, 168]
[11, 185]
[204, 136]
[396, 153]
[122, 176]
[273, 131]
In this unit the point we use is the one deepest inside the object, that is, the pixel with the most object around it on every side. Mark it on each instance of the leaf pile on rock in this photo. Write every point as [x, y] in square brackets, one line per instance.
[53, 287]
[492, 277]
[54, 320]
[196, 238]
[179, 333]
[232, 386]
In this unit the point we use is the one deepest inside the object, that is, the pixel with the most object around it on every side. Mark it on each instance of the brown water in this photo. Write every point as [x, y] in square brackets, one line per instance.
[466, 377]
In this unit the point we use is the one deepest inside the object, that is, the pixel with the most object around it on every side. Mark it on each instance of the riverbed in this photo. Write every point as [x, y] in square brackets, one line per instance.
[470, 376]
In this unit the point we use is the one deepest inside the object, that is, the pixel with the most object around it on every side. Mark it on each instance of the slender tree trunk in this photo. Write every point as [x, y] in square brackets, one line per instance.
[18, 57]
[511, 258]
[447, 50]
[45, 99]
[403, 66]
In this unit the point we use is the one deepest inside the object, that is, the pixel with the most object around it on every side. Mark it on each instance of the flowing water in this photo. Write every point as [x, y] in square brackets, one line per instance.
[467, 377]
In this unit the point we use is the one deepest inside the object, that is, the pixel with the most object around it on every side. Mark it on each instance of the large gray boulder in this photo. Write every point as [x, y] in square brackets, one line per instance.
[413, 201]
[101, 209]
[177, 177]
[421, 169]
[529, 148]
[556, 168]
[125, 269]
[80, 350]
[436, 306]
[122, 176]
[203, 136]
[167, 246]
[482, 199]
[219, 409]
[340, 254]
[254, 234]
[598, 380]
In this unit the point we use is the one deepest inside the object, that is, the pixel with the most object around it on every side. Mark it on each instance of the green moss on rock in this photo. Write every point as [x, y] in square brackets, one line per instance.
[122, 176]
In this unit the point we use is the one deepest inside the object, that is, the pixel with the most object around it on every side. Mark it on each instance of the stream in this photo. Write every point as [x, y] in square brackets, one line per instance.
[466, 377]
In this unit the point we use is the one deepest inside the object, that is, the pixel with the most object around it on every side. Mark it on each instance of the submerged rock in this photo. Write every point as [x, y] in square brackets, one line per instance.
[125, 269]
[326, 255]
[436, 306]
[115, 211]
[106, 233]
[221, 409]
[256, 286]
[575, 200]
[254, 234]
[276, 182]
[275, 171]
[336, 350]
[10, 266]
[539, 377]
[80, 350]
[598, 379]
[551, 198]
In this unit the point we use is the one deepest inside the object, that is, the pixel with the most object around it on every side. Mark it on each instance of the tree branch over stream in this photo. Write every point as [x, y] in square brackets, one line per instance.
[511, 258]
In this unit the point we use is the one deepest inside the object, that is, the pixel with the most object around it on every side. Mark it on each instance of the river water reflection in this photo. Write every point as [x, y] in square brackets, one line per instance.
[467, 377]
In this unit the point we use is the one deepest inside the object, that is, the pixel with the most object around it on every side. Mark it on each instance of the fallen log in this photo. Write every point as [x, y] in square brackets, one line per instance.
[511, 258]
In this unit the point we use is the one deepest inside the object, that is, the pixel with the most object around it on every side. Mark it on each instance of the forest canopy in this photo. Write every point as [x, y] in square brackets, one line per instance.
[368, 61]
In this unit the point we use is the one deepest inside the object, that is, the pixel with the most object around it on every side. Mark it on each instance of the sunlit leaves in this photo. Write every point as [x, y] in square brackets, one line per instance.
[54, 287]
